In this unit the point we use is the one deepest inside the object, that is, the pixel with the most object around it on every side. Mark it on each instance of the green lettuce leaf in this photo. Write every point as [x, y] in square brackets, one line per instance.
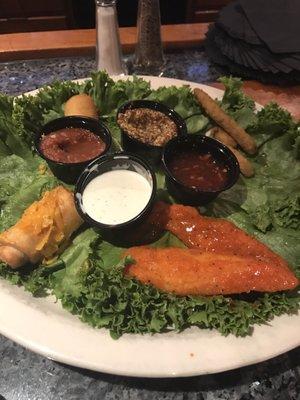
[271, 121]
[183, 102]
[69, 281]
[30, 113]
[236, 103]
[109, 95]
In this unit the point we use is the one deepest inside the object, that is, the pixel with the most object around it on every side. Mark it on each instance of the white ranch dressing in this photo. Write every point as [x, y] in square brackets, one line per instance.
[116, 196]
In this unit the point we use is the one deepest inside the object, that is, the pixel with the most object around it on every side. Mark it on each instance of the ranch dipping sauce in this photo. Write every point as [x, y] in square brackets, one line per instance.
[116, 196]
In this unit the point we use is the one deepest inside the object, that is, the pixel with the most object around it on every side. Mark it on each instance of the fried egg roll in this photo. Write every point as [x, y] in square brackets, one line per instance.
[42, 229]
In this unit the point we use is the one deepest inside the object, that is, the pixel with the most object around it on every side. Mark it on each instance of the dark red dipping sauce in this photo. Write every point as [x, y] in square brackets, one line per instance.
[71, 145]
[199, 171]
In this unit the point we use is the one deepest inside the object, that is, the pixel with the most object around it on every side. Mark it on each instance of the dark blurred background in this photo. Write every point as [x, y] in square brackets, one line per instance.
[43, 15]
[127, 12]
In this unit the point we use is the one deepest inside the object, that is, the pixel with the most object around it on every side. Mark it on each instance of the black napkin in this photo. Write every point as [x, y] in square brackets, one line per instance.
[233, 20]
[276, 22]
[256, 57]
[230, 67]
[229, 33]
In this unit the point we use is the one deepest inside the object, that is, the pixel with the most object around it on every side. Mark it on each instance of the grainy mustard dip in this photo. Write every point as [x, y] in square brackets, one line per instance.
[148, 126]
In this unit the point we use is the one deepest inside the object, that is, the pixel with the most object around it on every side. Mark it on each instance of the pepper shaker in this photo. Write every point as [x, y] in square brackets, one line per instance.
[148, 58]
[108, 48]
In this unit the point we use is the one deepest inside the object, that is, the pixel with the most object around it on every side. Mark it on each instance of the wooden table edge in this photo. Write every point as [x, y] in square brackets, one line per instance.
[82, 42]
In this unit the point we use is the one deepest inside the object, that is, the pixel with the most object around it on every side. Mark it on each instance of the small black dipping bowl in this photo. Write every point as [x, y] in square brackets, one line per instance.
[119, 234]
[146, 151]
[69, 172]
[194, 196]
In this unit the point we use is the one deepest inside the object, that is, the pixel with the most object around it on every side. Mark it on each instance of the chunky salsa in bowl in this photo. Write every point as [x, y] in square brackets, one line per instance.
[68, 144]
[198, 168]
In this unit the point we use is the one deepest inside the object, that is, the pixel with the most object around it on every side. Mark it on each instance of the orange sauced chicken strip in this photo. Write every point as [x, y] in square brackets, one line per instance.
[221, 258]
[216, 235]
[192, 272]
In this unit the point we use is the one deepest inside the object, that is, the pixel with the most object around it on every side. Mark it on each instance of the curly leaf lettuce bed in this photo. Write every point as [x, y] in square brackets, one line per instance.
[88, 277]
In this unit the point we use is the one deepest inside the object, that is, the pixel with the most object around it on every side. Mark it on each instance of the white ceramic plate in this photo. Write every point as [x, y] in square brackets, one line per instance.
[44, 327]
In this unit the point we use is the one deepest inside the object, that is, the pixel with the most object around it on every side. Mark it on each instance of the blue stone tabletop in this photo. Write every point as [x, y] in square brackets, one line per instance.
[27, 376]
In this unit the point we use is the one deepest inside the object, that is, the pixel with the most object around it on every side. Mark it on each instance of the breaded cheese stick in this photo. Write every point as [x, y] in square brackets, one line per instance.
[221, 118]
[219, 134]
[246, 167]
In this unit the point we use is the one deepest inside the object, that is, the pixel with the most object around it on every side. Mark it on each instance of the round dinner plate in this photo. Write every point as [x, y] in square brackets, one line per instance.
[43, 326]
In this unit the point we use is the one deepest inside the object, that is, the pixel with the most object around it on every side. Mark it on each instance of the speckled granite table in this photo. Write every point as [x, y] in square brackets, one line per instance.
[25, 375]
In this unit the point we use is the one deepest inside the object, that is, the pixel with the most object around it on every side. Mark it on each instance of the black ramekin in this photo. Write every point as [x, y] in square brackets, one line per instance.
[146, 151]
[69, 172]
[119, 234]
[203, 144]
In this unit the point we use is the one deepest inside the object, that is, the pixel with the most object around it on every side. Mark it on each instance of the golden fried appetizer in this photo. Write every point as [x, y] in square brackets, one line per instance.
[217, 235]
[193, 272]
[81, 104]
[212, 109]
[223, 137]
[42, 229]
[246, 167]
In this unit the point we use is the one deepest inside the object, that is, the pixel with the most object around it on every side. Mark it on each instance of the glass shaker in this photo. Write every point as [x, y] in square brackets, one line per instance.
[148, 58]
[108, 48]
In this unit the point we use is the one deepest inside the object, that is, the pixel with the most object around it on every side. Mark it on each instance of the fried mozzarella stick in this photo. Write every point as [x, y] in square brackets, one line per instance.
[223, 137]
[42, 229]
[193, 272]
[246, 167]
[225, 121]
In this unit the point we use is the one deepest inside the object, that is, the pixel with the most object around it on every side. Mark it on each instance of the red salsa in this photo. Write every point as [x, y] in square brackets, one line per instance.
[71, 145]
[199, 171]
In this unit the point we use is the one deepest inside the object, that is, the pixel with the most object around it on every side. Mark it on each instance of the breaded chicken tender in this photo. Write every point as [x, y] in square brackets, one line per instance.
[221, 258]
[193, 272]
[216, 235]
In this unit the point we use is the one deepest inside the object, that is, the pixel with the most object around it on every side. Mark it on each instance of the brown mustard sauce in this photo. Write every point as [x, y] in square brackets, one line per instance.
[148, 126]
